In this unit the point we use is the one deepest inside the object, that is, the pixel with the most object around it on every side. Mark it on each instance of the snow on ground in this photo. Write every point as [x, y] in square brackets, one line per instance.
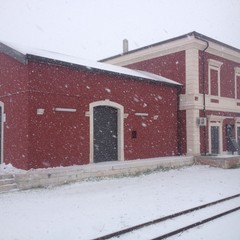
[96, 207]
[8, 168]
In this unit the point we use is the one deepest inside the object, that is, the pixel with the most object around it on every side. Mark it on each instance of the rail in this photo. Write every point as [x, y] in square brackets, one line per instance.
[172, 216]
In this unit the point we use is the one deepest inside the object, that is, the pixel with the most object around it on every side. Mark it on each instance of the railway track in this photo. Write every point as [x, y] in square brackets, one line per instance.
[183, 221]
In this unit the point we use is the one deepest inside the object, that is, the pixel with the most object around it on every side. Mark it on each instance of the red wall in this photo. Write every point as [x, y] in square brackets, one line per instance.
[60, 138]
[226, 75]
[14, 95]
[171, 66]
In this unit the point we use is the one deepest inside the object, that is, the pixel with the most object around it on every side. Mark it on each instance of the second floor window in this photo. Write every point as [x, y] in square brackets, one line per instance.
[237, 82]
[214, 68]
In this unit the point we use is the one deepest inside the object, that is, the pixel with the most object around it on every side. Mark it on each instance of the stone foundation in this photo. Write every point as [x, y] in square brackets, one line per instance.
[219, 161]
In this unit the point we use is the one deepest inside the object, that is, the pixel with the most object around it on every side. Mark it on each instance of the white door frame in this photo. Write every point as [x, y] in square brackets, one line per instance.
[120, 110]
[215, 121]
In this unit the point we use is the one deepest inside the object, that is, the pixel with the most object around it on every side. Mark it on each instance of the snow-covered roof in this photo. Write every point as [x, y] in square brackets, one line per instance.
[63, 58]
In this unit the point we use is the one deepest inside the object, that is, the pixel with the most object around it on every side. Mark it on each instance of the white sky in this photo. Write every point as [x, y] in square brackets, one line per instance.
[94, 29]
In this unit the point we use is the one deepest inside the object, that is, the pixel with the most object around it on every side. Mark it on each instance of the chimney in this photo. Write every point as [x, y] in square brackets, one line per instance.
[125, 45]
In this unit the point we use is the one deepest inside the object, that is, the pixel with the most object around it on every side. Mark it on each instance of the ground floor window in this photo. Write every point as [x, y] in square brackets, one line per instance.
[223, 134]
[237, 132]
[238, 135]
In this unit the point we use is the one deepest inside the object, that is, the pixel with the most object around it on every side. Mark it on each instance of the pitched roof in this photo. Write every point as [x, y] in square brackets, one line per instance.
[194, 34]
[23, 54]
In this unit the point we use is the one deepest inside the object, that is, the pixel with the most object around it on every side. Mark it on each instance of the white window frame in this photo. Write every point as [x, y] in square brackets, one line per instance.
[236, 75]
[120, 110]
[214, 65]
[237, 124]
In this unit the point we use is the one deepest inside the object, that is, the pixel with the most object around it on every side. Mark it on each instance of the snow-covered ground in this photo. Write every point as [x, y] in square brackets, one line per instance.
[93, 208]
[8, 168]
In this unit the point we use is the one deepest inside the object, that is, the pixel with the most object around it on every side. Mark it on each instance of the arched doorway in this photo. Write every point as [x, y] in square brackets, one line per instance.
[106, 131]
[105, 135]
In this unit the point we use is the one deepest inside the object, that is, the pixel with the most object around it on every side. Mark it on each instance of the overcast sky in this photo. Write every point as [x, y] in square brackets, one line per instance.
[94, 29]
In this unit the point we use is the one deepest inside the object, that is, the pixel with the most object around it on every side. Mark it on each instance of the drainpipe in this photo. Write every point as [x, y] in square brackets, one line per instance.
[179, 136]
[204, 93]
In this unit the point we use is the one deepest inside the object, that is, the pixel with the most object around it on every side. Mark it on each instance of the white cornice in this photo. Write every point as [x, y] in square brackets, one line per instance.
[237, 70]
[172, 47]
[213, 103]
[157, 51]
[223, 52]
[215, 63]
[216, 118]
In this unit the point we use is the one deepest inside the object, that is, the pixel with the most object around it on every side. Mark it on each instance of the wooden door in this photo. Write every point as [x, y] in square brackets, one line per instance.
[105, 138]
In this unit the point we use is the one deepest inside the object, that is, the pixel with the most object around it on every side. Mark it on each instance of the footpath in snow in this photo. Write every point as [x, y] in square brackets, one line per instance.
[94, 208]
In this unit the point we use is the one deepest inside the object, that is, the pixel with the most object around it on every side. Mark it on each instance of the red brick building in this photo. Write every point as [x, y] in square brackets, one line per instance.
[57, 110]
[210, 100]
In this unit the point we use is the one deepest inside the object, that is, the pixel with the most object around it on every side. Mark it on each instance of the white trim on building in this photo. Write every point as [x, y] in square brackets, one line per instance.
[2, 131]
[174, 46]
[216, 66]
[236, 75]
[237, 125]
[120, 109]
[192, 87]
[215, 121]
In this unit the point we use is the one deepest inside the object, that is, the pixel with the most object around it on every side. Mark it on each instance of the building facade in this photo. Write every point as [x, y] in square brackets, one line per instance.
[210, 100]
[57, 110]
[60, 111]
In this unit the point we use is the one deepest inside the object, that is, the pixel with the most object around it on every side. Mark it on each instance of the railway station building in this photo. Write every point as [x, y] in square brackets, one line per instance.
[209, 71]
[176, 97]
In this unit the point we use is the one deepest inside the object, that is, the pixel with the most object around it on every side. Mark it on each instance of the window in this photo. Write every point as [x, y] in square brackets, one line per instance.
[214, 77]
[237, 82]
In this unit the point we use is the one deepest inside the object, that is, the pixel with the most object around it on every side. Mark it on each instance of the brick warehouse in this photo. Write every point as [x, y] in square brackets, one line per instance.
[58, 110]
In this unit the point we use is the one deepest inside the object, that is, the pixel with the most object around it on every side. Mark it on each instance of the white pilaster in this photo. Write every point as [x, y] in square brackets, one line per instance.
[193, 134]
[192, 71]
[192, 88]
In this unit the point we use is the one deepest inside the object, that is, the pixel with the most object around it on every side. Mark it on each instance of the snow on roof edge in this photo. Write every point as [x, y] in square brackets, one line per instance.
[90, 64]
